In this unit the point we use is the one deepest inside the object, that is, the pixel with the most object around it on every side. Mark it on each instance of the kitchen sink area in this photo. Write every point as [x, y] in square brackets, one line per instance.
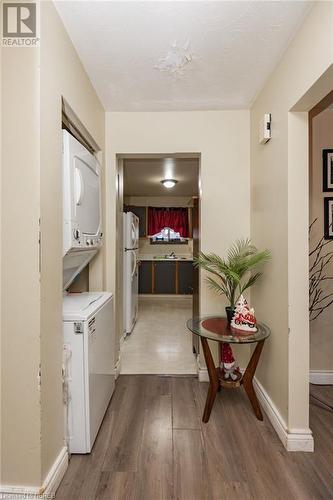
[169, 257]
[166, 274]
[161, 257]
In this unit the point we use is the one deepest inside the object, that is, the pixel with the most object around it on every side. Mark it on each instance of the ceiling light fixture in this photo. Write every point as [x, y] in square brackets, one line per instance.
[169, 183]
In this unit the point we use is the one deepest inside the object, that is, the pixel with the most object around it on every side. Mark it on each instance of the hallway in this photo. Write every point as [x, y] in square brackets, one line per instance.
[153, 446]
[160, 342]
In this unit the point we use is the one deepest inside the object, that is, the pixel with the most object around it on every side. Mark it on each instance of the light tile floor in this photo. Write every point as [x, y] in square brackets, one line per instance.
[160, 342]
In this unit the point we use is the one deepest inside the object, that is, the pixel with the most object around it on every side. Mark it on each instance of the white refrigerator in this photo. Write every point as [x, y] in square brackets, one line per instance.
[131, 274]
[89, 364]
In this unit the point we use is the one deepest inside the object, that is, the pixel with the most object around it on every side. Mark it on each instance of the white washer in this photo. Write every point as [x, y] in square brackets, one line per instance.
[89, 342]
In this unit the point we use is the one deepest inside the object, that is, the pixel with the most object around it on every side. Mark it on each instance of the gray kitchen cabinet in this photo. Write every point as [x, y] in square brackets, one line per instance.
[164, 277]
[185, 278]
[145, 276]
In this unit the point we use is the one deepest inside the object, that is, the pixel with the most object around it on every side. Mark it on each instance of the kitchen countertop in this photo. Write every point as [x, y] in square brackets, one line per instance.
[161, 258]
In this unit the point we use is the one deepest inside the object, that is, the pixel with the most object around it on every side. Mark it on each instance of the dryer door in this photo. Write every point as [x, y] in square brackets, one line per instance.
[86, 196]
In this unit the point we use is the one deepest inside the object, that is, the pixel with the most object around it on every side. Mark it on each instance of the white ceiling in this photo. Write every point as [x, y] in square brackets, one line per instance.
[225, 49]
[142, 177]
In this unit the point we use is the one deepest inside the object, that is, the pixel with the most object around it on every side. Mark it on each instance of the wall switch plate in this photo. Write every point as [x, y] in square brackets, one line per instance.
[265, 129]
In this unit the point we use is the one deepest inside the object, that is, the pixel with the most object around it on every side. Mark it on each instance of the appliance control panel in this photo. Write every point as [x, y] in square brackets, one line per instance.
[78, 327]
[86, 241]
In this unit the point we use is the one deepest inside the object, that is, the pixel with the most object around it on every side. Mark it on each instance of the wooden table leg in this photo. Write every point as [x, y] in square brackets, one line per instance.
[248, 378]
[213, 378]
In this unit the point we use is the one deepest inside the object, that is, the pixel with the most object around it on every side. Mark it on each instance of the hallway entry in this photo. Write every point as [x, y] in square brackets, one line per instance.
[159, 208]
[160, 342]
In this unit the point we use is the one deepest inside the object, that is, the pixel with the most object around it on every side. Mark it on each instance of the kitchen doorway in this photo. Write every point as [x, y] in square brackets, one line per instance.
[160, 224]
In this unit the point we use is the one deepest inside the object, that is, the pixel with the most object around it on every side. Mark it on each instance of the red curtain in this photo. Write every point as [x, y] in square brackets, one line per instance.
[175, 218]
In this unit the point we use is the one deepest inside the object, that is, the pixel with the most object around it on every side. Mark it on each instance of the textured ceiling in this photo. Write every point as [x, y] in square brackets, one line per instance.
[175, 55]
[142, 177]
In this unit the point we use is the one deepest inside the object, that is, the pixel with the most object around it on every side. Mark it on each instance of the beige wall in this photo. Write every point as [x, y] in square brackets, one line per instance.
[279, 211]
[62, 74]
[321, 346]
[33, 82]
[222, 138]
[20, 289]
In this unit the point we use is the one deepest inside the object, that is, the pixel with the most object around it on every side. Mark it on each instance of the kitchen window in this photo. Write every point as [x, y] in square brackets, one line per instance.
[168, 225]
[168, 236]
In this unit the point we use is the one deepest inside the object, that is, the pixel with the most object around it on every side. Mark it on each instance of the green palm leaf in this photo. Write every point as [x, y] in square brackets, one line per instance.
[215, 286]
[234, 272]
[251, 281]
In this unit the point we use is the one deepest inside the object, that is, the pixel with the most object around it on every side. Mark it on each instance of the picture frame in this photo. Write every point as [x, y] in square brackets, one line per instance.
[327, 170]
[328, 218]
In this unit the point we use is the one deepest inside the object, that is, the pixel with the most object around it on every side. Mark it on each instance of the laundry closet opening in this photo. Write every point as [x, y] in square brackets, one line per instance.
[158, 216]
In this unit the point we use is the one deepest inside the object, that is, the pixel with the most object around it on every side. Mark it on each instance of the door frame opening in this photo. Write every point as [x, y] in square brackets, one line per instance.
[119, 309]
[322, 105]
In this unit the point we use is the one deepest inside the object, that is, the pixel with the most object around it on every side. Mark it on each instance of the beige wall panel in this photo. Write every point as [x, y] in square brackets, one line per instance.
[222, 138]
[20, 288]
[62, 74]
[321, 347]
[275, 198]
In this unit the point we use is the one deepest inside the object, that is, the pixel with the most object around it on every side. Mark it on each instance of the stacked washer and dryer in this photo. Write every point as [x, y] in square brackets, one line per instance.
[88, 326]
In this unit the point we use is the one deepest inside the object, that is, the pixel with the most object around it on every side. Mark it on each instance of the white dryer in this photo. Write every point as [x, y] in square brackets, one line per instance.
[82, 235]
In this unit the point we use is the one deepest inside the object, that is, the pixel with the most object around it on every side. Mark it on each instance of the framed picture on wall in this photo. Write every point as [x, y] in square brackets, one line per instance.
[328, 218]
[327, 169]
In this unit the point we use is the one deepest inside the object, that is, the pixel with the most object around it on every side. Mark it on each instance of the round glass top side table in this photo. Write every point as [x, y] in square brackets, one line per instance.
[216, 328]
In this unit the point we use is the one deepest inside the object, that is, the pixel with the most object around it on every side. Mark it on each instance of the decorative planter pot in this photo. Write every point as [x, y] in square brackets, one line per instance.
[229, 313]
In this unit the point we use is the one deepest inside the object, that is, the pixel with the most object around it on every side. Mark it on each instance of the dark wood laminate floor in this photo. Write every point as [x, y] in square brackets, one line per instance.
[153, 446]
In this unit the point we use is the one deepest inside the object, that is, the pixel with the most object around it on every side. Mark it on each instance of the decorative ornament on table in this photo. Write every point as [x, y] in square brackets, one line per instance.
[243, 319]
[228, 367]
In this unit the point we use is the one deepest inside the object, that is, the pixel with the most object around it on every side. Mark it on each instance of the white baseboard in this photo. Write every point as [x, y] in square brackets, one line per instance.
[50, 484]
[321, 376]
[117, 367]
[292, 439]
[202, 371]
[56, 473]
[203, 374]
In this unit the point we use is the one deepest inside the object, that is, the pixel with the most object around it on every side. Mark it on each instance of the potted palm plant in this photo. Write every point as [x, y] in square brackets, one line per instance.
[235, 273]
